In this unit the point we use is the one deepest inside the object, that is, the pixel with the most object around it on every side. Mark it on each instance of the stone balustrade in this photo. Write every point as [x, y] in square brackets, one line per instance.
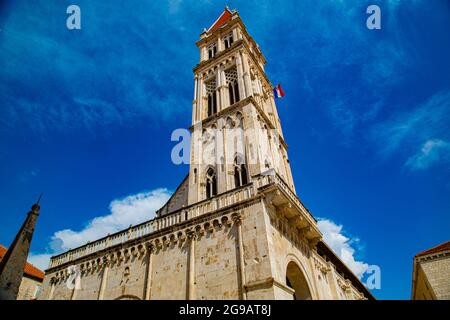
[271, 177]
[207, 206]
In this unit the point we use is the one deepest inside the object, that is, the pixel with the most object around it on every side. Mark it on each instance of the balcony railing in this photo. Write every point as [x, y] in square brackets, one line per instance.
[221, 201]
[271, 177]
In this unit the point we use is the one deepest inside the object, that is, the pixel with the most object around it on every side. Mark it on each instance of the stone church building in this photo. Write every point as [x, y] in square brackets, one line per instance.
[234, 228]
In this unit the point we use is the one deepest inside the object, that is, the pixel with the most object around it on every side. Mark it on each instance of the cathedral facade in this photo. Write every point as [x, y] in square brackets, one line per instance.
[234, 228]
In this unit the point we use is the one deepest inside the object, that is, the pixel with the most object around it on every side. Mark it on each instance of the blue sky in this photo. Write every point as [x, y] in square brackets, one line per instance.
[86, 117]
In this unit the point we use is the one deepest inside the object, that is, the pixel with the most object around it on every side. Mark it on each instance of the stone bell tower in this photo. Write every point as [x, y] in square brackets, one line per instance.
[13, 263]
[234, 228]
[236, 131]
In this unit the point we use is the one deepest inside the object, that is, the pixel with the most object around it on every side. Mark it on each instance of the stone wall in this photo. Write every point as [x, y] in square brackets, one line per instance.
[437, 272]
[239, 252]
[29, 289]
[216, 267]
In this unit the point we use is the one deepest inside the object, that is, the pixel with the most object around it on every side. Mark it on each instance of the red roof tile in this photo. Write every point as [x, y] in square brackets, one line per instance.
[441, 247]
[224, 17]
[29, 269]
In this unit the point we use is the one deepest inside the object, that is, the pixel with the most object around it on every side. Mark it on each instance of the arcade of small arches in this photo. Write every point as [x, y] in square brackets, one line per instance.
[240, 176]
[225, 74]
[240, 172]
[212, 91]
[295, 275]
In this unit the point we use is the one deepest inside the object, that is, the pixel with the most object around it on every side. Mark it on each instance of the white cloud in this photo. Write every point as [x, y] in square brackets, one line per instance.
[28, 175]
[432, 151]
[409, 128]
[124, 212]
[40, 260]
[342, 245]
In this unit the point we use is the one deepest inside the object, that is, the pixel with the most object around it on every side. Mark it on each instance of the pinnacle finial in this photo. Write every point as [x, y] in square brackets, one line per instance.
[35, 208]
[40, 197]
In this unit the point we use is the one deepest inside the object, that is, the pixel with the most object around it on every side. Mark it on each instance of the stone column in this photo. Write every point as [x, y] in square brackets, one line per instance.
[246, 74]
[52, 288]
[148, 273]
[73, 296]
[200, 98]
[203, 54]
[222, 88]
[191, 277]
[332, 281]
[238, 222]
[235, 34]
[218, 89]
[104, 278]
[226, 145]
[316, 293]
[275, 113]
[289, 171]
[240, 76]
[349, 291]
[220, 46]
[194, 102]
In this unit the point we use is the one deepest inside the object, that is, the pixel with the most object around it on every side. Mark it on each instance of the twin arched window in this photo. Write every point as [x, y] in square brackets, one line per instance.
[211, 183]
[233, 92]
[240, 172]
[212, 50]
[228, 40]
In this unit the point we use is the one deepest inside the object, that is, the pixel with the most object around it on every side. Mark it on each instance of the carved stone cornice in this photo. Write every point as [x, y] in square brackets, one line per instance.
[150, 246]
[314, 241]
[217, 221]
[237, 218]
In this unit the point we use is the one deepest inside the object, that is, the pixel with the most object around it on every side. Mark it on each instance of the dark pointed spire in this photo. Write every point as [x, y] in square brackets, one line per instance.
[13, 263]
[40, 197]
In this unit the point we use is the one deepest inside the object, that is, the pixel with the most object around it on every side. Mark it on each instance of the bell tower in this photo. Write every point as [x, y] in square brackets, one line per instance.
[236, 131]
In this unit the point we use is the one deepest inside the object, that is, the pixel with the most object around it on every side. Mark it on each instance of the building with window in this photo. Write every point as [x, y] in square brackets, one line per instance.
[235, 227]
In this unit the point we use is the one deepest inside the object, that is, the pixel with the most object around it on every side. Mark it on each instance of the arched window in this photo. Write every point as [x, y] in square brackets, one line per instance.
[229, 123]
[211, 183]
[209, 105]
[240, 172]
[236, 91]
[240, 123]
[233, 92]
[228, 40]
[211, 89]
[296, 280]
[212, 50]
[230, 93]
[212, 103]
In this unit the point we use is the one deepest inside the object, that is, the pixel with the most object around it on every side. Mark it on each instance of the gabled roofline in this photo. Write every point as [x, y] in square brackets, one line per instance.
[445, 246]
[226, 10]
[173, 194]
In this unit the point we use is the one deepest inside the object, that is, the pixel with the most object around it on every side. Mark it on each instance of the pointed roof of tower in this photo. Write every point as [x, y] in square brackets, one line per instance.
[223, 18]
[14, 260]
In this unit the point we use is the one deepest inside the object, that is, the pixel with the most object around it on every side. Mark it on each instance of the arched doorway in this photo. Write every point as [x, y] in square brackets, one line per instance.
[296, 280]
[127, 297]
